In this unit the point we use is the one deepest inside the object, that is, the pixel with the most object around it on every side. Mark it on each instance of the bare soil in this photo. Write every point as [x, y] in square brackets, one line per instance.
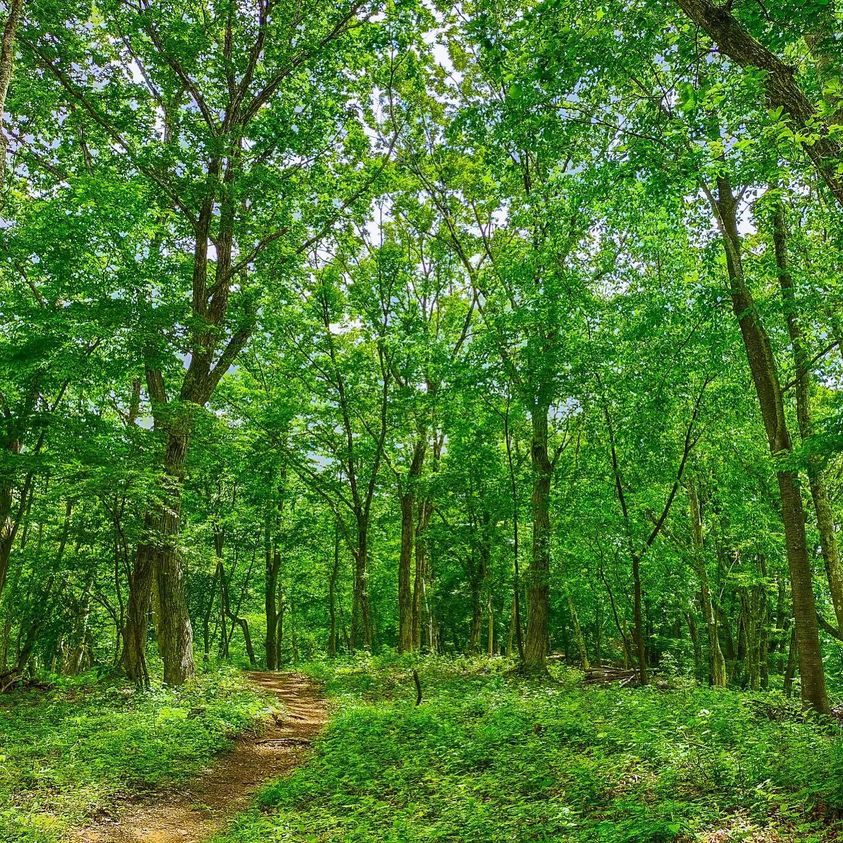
[203, 806]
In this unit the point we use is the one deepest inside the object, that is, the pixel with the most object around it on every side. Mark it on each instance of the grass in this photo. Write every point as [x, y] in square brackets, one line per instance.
[68, 752]
[490, 758]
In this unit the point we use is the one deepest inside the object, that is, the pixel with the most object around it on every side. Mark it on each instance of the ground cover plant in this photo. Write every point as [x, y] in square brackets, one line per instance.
[492, 757]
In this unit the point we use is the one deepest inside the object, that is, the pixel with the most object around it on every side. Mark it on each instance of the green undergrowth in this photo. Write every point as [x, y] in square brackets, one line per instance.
[490, 757]
[67, 752]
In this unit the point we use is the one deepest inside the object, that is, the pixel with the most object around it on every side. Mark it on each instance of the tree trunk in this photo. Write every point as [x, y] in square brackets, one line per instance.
[801, 363]
[332, 597]
[405, 593]
[516, 567]
[780, 83]
[361, 622]
[476, 615]
[716, 662]
[768, 389]
[639, 633]
[273, 569]
[425, 510]
[406, 601]
[175, 633]
[137, 610]
[538, 577]
[7, 55]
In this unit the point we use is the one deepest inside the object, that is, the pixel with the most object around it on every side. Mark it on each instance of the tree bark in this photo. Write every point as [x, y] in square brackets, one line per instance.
[175, 633]
[405, 593]
[425, 512]
[802, 384]
[7, 55]
[516, 565]
[780, 84]
[361, 621]
[538, 577]
[273, 569]
[137, 610]
[716, 662]
[406, 639]
[639, 633]
[768, 390]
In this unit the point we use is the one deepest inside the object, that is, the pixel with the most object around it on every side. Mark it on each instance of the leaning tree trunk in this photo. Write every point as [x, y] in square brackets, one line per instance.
[780, 83]
[538, 576]
[801, 362]
[768, 389]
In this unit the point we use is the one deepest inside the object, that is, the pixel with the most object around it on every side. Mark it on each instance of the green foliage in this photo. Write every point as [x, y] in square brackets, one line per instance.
[68, 752]
[489, 757]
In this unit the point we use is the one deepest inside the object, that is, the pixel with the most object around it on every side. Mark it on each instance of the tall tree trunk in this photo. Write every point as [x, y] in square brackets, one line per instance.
[137, 610]
[639, 633]
[405, 592]
[716, 662]
[425, 510]
[801, 363]
[768, 389]
[406, 639]
[7, 55]
[361, 621]
[516, 568]
[175, 633]
[273, 569]
[475, 627]
[538, 590]
[332, 597]
[780, 83]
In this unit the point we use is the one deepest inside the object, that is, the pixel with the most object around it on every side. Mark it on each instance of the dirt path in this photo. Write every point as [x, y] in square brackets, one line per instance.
[204, 805]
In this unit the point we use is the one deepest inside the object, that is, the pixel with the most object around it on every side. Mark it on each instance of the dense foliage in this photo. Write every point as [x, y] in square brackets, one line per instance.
[504, 327]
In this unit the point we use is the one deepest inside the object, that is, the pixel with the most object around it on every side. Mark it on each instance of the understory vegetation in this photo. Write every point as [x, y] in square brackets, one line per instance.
[491, 757]
[69, 752]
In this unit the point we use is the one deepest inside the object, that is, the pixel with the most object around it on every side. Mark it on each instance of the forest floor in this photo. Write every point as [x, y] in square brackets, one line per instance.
[487, 757]
[195, 812]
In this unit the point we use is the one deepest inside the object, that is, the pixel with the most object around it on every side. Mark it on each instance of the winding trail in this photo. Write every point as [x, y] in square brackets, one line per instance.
[205, 804]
